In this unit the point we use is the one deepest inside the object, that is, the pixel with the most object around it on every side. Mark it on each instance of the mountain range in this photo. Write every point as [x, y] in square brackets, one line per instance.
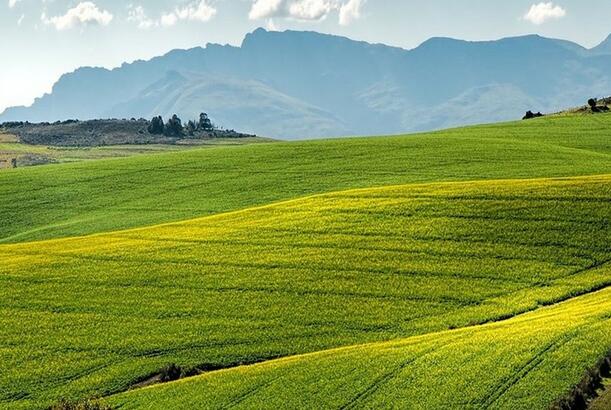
[295, 85]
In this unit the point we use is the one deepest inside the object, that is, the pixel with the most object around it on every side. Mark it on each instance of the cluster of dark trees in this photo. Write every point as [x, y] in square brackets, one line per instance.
[593, 104]
[16, 124]
[530, 114]
[174, 127]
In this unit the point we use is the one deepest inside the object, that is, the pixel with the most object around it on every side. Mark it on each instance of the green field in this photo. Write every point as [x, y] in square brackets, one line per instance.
[523, 363]
[295, 277]
[464, 268]
[83, 198]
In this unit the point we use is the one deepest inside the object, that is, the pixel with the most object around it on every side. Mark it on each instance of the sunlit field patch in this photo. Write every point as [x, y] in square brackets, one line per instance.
[105, 195]
[93, 315]
[522, 363]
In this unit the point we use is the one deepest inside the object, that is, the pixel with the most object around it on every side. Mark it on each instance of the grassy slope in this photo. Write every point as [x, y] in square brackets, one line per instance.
[522, 363]
[91, 315]
[76, 199]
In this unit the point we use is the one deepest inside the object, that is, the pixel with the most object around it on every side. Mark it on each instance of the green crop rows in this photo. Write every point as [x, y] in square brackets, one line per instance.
[466, 268]
[523, 363]
[78, 199]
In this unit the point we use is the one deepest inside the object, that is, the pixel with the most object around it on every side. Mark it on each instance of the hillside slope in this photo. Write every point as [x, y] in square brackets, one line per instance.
[304, 84]
[79, 199]
[95, 315]
[523, 363]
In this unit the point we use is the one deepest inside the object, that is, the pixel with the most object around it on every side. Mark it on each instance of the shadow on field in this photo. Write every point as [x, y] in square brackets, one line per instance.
[173, 372]
[588, 388]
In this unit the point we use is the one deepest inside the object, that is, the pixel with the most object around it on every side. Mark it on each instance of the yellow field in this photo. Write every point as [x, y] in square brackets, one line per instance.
[521, 363]
[94, 315]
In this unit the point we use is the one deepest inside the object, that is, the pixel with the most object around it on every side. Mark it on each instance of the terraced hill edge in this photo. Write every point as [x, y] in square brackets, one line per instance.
[306, 275]
[524, 362]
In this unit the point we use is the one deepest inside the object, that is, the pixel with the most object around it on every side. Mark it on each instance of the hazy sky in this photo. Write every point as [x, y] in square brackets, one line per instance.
[41, 39]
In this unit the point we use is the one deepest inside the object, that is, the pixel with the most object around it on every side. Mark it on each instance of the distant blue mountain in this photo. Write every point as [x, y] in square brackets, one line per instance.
[603, 48]
[304, 84]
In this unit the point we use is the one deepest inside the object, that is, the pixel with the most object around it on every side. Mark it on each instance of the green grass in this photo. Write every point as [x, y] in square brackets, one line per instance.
[287, 259]
[105, 195]
[523, 363]
[93, 315]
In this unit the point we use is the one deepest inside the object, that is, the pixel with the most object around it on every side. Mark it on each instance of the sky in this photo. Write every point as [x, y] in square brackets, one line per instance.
[42, 39]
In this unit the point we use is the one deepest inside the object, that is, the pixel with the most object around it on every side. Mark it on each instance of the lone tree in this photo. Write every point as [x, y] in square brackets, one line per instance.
[174, 128]
[204, 123]
[156, 126]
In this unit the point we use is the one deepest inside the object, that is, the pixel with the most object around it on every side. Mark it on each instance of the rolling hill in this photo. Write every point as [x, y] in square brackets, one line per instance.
[523, 363]
[304, 84]
[467, 267]
[361, 272]
[98, 314]
[85, 198]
